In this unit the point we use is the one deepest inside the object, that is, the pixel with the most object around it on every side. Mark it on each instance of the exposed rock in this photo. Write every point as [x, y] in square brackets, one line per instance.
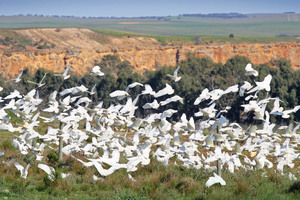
[142, 53]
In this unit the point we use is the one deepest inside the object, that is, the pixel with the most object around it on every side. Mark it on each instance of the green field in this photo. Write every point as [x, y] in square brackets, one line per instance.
[204, 38]
[270, 25]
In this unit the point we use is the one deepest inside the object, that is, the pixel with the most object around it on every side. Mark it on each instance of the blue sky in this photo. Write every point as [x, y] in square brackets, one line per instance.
[136, 8]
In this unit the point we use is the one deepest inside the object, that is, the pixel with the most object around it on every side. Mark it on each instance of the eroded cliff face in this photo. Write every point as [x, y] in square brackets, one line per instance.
[143, 54]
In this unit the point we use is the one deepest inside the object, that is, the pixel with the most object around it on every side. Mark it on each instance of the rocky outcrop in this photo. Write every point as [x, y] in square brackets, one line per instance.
[142, 57]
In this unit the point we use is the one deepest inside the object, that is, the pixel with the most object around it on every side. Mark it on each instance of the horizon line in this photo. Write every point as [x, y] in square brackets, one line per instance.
[146, 16]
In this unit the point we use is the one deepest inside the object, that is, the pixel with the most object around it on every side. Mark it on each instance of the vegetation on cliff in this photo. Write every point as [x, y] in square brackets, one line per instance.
[197, 74]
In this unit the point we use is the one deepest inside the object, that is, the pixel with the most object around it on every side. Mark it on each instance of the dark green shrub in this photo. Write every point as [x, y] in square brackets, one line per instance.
[52, 157]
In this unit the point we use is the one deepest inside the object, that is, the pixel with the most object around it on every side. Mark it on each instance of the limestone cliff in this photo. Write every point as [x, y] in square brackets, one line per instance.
[142, 53]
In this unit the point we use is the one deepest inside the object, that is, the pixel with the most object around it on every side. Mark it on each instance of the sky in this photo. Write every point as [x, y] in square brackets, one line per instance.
[138, 8]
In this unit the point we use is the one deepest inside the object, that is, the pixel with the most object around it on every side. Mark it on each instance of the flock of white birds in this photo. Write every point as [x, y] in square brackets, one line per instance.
[113, 138]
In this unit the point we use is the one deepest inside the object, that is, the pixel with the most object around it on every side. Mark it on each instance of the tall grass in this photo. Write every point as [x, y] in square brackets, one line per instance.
[154, 181]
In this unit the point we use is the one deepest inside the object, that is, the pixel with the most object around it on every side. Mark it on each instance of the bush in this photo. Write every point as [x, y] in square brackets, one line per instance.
[52, 157]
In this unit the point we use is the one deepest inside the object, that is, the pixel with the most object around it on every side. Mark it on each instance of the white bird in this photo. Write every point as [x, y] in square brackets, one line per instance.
[168, 113]
[251, 131]
[96, 71]
[80, 88]
[259, 114]
[148, 90]
[153, 105]
[100, 169]
[215, 95]
[166, 90]
[136, 124]
[120, 94]
[23, 171]
[251, 106]
[10, 105]
[49, 170]
[208, 141]
[250, 71]
[65, 75]
[52, 108]
[18, 79]
[95, 178]
[225, 110]
[131, 178]
[191, 125]
[40, 84]
[220, 122]
[13, 95]
[66, 91]
[286, 113]
[264, 85]
[203, 96]
[175, 76]
[132, 85]
[64, 175]
[92, 90]
[52, 97]
[65, 103]
[218, 93]
[251, 96]
[85, 100]
[233, 88]
[214, 179]
[130, 106]
[276, 107]
[171, 99]
[209, 111]
[74, 90]
[30, 95]
[243, 88]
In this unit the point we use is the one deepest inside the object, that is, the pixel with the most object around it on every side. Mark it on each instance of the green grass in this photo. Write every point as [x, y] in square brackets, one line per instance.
[154, 181]
[205, 38]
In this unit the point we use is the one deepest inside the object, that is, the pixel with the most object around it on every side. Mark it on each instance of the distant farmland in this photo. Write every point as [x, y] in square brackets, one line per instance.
[253, 25]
